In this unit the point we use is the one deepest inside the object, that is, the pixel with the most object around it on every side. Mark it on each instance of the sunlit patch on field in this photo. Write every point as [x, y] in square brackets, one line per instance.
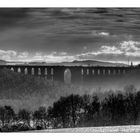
[108, 129]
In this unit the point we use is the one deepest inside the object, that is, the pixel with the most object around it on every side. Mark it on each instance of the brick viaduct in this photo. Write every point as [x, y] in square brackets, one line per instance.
[76, 73]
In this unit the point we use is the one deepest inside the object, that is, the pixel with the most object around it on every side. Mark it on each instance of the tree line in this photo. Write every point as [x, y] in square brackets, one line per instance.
[121, 108]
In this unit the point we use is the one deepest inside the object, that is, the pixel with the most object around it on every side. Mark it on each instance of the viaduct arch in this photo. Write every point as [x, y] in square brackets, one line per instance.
[71, 74]
[67, 76]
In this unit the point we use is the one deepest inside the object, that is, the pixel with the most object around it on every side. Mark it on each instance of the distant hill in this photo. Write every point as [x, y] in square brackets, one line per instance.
[79, 63]
[3, 62]
[73, 63]
[30, 92]
[92, 63]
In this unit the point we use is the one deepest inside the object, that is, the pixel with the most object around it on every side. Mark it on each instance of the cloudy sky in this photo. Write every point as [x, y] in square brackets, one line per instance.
[63, 34]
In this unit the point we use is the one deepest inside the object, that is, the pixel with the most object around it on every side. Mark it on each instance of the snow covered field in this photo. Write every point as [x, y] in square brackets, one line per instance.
[109, 129]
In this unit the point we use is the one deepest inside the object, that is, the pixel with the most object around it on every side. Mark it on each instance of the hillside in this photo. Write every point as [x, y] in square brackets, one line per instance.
[2, 62]
[24, 91]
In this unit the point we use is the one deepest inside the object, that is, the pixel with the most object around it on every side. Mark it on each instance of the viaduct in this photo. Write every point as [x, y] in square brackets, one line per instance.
[72, 74]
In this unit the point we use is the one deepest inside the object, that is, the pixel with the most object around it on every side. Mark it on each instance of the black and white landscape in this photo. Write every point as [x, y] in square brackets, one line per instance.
[69, 68]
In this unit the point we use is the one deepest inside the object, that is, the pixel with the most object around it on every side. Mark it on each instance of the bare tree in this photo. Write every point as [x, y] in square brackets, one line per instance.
[24, 116]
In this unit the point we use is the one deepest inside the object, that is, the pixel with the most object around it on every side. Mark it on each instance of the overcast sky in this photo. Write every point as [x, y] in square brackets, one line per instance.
[63, 34]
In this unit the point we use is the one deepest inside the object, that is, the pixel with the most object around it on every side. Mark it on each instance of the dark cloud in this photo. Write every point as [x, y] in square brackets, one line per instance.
[10, 16]
[70, 30]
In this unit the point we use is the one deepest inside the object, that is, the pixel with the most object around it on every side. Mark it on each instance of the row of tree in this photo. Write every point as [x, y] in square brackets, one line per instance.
[23, 120]
[80, 111]
[122, 108]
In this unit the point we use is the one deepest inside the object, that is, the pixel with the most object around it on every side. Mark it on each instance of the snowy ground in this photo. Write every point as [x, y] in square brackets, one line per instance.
[112, 129]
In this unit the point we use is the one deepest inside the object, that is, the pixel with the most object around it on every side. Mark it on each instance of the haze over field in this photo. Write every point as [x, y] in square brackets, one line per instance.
[30, 92]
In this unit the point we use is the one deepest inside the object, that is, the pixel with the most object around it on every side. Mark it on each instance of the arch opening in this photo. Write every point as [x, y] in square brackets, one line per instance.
[87, 71]
[32, 71]
[52, 72]
[67, 76]
[12, 69]
[19, 70]
[104, 72]
[25, 71]
[82, 71]
[39, 71]
[45, 71]
[93, 71]
[98, 72]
